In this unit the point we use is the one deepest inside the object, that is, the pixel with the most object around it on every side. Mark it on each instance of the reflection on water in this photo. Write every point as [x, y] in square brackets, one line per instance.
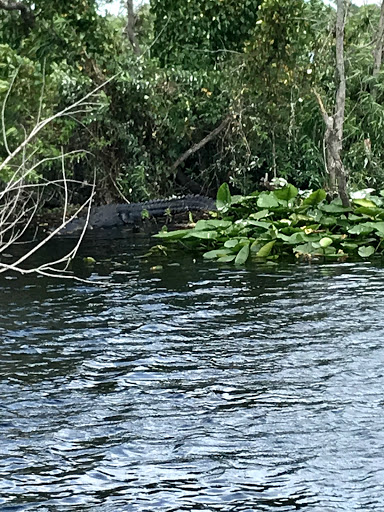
[196, 388]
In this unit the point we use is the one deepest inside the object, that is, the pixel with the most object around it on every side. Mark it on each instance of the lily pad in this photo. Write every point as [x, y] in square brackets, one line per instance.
[366, 251]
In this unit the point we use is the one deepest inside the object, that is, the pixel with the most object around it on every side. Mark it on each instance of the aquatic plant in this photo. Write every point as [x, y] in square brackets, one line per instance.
[281, 223]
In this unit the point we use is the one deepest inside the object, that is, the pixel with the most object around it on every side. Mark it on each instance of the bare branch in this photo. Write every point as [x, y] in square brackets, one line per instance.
[202, 143]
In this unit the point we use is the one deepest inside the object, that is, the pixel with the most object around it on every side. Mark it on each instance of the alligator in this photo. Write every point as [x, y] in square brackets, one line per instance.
[133, 214]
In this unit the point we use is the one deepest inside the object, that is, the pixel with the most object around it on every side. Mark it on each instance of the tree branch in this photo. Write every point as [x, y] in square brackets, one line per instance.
[202, 143]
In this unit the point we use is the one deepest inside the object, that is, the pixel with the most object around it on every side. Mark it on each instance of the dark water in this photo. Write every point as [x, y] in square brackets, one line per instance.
[195, 388]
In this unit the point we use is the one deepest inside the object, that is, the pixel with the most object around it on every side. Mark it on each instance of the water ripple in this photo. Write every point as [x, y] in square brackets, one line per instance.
[216, 389]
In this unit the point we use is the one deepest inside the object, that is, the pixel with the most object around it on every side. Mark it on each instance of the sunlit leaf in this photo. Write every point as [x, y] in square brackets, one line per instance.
[265, 251]
[227, 259]
[325, 242]
[231, 243]
[242, 255]
[316, 197]
[361, 229]
[365, 202]
[366, 251]
[267, 200]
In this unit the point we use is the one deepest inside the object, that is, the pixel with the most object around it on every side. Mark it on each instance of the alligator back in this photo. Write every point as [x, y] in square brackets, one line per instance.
[133, 213]
[118, 215]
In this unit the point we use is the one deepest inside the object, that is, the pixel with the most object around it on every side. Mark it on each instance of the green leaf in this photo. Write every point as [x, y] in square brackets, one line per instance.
[259, 215]
[227, 259]
[218, 224]
[304, 248]
[328, 221]
[267, 200]
[204, 235]
[230, 244]
[286, 193]
[258, 223]
[371, 212]
[217, 253]
[349, 246]
[11, 131]
[242, 255]
[265, 251]
[333, 207]
[316, 197]
[365, 202]
[223, 199]
[379, 227]
[4, 86]
[366, 251]
[361, 229]
[203, 225]
[325, 242]
[173, 235]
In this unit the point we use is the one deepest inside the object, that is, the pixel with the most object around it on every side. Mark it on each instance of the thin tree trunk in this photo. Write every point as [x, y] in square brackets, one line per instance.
[336, 139]
[25, 11]
[130, 28]
[378, 51]
[334, 124]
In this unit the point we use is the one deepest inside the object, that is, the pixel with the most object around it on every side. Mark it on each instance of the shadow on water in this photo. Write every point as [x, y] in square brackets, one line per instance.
[196, 387]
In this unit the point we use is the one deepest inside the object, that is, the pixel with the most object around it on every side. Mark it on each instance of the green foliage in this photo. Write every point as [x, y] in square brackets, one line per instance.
[291, 226]
[256, 61]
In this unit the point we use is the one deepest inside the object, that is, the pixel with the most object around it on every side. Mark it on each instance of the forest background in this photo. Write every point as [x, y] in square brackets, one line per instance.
[191, 94]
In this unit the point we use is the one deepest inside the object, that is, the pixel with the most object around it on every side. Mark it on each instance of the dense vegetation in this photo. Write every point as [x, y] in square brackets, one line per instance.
[285, 222]
[233, 82]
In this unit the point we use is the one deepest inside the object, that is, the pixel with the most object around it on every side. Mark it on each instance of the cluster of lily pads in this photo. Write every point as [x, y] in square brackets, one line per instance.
[269, 225]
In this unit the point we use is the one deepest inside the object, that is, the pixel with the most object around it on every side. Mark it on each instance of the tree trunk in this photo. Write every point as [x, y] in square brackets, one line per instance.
[25, 12]
[378, 51]
[130, 28]
[334, 124]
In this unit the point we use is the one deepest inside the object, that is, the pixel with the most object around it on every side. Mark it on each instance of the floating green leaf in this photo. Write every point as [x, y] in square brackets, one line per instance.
[304, 248]
[325, 242]
[361, 229]
[366, 251]
[259, 215]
